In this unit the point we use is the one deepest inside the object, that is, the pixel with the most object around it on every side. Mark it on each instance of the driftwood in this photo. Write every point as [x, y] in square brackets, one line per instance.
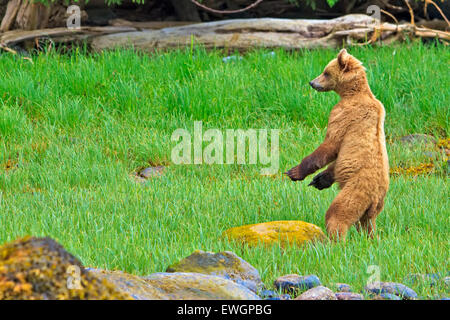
[240, 34]
[58, 35]
[244, 34]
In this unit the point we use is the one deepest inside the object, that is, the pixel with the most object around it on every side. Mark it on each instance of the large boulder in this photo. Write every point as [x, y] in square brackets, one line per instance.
[223, 264]
[41, 269]
[276, 232]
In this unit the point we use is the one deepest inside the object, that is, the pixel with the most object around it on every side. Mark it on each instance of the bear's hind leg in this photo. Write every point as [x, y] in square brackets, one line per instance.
[345, 210]
[367, 224]
[368, 220]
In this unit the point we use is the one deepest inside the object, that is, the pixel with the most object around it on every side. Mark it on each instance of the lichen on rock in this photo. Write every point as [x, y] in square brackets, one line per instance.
[276, 232]
[130, 284]
[196, 286]
[41, 269]
[223, 264]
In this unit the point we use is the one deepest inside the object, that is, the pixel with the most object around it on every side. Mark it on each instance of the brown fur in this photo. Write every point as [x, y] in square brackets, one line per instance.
[354, 145]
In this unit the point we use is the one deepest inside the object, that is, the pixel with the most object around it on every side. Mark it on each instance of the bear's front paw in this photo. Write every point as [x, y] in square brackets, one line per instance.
[295, 174]
[322, 181]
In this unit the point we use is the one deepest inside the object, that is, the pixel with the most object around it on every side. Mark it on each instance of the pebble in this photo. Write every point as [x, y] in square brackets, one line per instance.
[273, 295]
[349, 296]
[317, 293]
[231, 59]
[151, 172]
[295, 282]
[343, 287]
[397, 289]
[386, 296]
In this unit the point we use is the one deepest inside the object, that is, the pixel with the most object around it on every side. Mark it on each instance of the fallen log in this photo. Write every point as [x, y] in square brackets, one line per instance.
[59, 35]
[245, 34]
[239, 34]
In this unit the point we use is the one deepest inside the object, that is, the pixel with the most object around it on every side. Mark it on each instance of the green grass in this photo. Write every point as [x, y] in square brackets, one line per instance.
[73, 128]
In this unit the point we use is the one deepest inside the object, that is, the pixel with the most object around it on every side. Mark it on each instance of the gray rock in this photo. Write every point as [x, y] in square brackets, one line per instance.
[293, 283]
[317, 293]
[223, 264]
[386, 296]
[151, 172]
[273, 295]
[349, 296]
[231, 58]
[343, 287]
[397, 289]
[270, 54]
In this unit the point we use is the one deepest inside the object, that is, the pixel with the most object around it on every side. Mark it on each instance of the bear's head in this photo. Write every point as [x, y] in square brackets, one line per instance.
[343, 74]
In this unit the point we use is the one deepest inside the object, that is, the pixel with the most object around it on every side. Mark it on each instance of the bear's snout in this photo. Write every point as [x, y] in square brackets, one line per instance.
[315, 86]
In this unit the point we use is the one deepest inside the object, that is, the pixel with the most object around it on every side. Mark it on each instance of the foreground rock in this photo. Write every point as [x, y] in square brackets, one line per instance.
[41, 269]
[343, 287]
[348, 296]
[272, 295]
[292, 283]
[129, 284]
[398, 289]
[223, 264]
[386, 296]
[176, 286]
[317, 293]
[276, 232]
[196, 286]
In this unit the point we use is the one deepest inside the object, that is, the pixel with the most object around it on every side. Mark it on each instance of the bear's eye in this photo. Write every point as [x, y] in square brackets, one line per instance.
[326, 74]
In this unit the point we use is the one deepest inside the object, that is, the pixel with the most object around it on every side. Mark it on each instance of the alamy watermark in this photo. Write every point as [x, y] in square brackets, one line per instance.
[74, 278]
[227, 147]
[73, 21]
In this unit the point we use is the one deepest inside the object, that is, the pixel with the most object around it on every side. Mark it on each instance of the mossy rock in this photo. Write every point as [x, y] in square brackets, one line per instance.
[223, 264]
[276, 232]
[130, 284]
[196, 286]
[175, 286]
[41, 269]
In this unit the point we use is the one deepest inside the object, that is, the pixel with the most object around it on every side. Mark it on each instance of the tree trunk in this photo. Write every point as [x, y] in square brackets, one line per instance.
[25, 15]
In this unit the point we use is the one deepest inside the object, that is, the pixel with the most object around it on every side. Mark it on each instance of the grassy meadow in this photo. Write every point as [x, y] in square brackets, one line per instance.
[74, 127]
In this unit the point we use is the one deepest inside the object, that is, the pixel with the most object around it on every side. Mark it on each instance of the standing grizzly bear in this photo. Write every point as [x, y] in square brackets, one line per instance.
[354, 147]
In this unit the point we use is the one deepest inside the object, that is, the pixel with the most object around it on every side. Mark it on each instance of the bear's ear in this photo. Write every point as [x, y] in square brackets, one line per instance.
[343, 60]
